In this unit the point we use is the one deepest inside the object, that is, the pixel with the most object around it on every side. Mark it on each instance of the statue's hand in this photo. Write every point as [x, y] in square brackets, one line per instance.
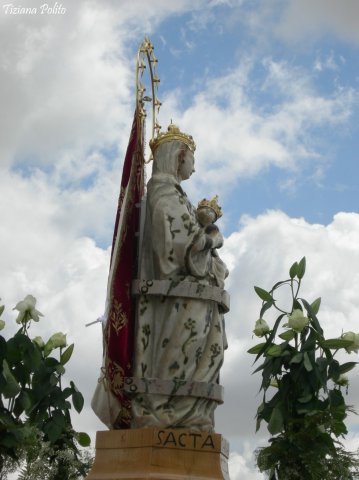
[215, 235]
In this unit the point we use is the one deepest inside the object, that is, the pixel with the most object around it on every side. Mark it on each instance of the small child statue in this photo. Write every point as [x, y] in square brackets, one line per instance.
[208, 211]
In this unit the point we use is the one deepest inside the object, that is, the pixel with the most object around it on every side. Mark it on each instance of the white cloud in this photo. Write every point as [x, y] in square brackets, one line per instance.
[313, 18]
[66, 81]
[327, 62]
[65, 85]
[236, 137]
[299, 23]
[242, 466]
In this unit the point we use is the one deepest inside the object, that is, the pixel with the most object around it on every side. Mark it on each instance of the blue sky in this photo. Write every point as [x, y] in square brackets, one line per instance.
[268, 88]
[188, 55]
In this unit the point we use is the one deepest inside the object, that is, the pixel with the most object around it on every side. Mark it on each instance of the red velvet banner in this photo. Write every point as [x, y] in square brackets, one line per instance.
[119, 332]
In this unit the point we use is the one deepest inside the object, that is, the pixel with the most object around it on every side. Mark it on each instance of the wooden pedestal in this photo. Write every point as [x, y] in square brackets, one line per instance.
[155, 454]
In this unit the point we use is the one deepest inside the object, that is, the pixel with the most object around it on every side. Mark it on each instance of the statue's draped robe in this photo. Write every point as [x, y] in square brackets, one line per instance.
[179, 341]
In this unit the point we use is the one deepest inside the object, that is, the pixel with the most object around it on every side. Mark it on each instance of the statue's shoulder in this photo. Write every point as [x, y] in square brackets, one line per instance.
[161, 189]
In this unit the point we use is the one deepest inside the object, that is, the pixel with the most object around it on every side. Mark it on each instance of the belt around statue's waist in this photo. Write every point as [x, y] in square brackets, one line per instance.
[173, 388]
[171, 288]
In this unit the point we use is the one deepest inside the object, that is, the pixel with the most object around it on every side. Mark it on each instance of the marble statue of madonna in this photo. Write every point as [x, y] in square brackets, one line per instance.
[180, 338]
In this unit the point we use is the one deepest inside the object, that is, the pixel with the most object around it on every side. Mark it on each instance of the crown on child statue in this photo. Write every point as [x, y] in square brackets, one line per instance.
[173, 133]
[213, 204]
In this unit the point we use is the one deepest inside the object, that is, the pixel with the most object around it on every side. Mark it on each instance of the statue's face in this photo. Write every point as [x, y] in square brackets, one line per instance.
[206, 216]
[186, 165]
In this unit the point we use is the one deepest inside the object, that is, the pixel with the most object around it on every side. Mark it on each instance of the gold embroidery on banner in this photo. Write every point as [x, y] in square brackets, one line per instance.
[117, 375]
[118, 317]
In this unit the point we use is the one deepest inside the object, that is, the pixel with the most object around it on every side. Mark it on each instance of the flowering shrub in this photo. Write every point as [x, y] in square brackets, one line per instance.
[303, 404]
[34, 406]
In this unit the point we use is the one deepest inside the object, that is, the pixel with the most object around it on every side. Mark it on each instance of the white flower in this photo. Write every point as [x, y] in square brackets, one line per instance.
[57, 340]
[353, 337]
[261, 328]
[27, 310]
[297, 321]
[39, 342]
[2, 324]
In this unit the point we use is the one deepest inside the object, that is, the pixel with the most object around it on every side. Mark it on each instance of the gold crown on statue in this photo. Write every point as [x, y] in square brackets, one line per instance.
[173, 133]
[213, 204]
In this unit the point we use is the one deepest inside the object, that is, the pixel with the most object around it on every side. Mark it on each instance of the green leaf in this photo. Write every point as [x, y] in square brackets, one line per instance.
[293, 270]
[301, 268]
[297, 358]
[256, 348]
[2, 308]
[267, 373]
[53, 429]
[258, 369]
[322, 364]
[23, 403]
[25, 400]
[263, 294]
[53, 380]
[336, 398]
[65, 357]
[60, 369]
[339, 428]
[3, 349]
[309, 343]
[77, 398]
[320, 371]
[265, 307]
[259, 417]
[275, 424]
[346, 367]
[333, 370]
[78, 401]
[335, 343]
[9, 440]
[51, 362]
[311, 314]
[13, 352]
[11, 387]
[55, 426]
[288, 335]
[316, 305]
[305, 399]
[307, 363]
[275, 351]
[67, 392]
[83, 439]
[32, 357]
